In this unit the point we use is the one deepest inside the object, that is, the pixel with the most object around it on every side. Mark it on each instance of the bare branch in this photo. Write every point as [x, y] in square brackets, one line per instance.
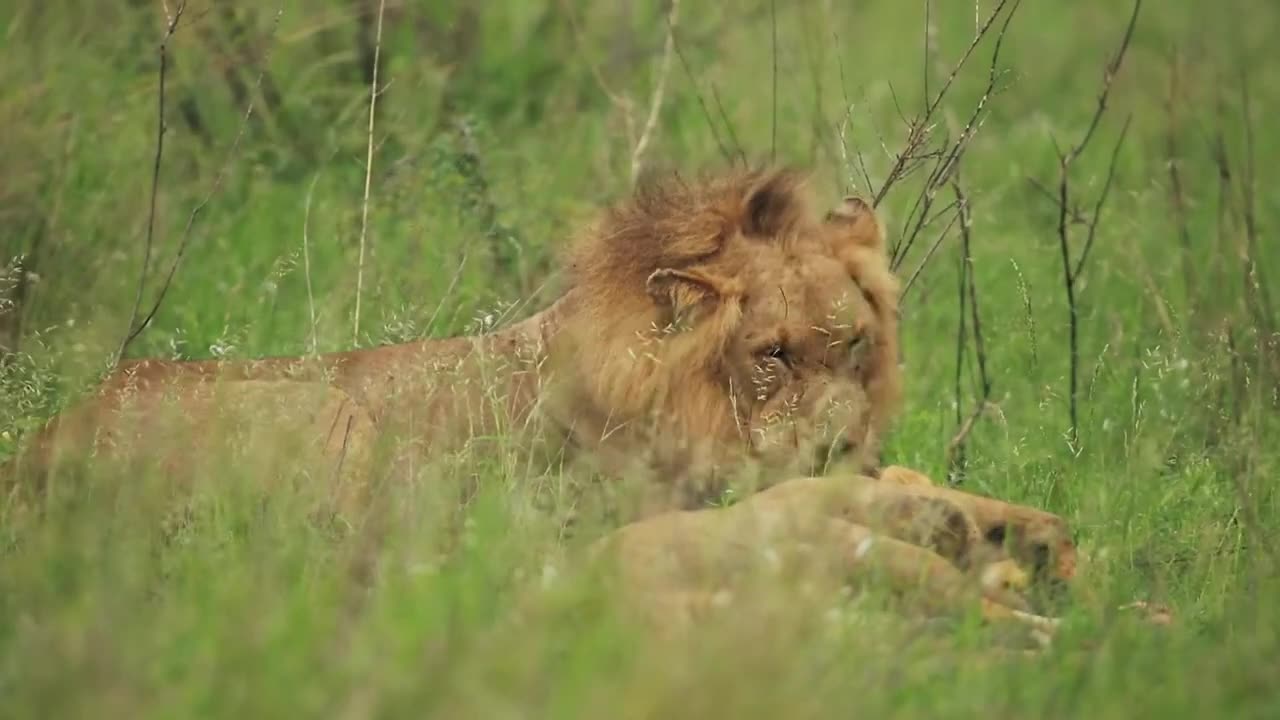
[728, 125]
[659, 90]
[928, 255]
[966, 249]
[306, 260]
[773, 128]
[1108, 78]
[1069, 287]
[715, 133]
[977, 38]
[185, 242]
[947, 156]
[1256, 287]
[368, 173]
[620, 101]
[924, 66]
[919, 129]
[956, 447]
[1173, 161]
[161, 129]
[1102, 199]
[1071, 271]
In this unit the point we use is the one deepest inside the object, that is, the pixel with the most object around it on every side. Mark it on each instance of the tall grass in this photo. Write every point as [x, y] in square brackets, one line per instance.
[499, 128]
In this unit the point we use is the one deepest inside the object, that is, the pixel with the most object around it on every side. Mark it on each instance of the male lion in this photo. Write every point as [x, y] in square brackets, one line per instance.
[706, 326]
[710, 331]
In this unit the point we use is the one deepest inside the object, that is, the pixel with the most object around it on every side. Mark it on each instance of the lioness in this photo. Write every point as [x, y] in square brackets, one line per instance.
[711, 330]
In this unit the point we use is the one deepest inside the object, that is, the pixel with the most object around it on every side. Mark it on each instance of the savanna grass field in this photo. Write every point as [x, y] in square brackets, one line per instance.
[289, 222]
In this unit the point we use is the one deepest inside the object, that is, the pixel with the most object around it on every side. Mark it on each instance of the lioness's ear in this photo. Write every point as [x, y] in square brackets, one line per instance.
[682, 297]
[855, 222]
[772, 204]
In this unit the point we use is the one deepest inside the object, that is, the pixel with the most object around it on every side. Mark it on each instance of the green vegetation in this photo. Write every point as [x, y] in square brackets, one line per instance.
[495, 136]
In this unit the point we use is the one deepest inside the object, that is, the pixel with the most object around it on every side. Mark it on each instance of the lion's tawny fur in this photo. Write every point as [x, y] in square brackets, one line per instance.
[706, 325]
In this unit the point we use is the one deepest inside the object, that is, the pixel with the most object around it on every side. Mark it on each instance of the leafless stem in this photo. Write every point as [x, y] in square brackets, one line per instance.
[702, 103]
[368, 173]
[306, 261]
[728, 125]
[659, 90]
[947, 155]
[773, 127]
[1102, 199]
[161, 129]
[919, 129]
[929, 255]
[620, 101]
[968, 286]
[1108, 78]
[1173, 161]
[1256, 287]
[185, 242]
[956, 456]
[1072, 270]
[924, 66]
[844, 124]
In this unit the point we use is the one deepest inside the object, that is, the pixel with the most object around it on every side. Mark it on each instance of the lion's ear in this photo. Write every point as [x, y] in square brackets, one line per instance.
[682, 297]
[855, 223]
[773, 204]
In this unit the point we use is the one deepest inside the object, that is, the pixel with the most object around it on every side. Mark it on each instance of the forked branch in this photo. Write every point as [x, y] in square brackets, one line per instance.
[968, 300]
[1073, 268]
[368, 172]
[942, 155]
[185, 242]
[659, 91]
[161, 129]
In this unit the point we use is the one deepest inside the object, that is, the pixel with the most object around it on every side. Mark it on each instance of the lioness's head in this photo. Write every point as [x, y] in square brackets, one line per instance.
[724, 320]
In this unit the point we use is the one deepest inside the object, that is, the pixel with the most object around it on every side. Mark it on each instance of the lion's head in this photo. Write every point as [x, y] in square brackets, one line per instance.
[724, 320]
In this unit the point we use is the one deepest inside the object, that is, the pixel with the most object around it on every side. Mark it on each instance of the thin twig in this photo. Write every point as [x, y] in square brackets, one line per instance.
[919, 128]
[1173, 161]
[185, 242]
[844, 125]
[659, 90]
[924, 66]
[368, 173]
[728, 125]
[947, 155]
[1108, 78]
[966, 249]
[161, 129]
[620, 101]
[1256, 286]
[773, 128]
[955, 456]
[1069, 287]
[453, 283]
[929, 255]
[306, 261]
[1071, 271]
[706, 114]
[1102, 199]
[956, 445]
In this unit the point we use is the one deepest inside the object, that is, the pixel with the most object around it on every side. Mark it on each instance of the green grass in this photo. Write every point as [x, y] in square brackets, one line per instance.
[246, 606]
